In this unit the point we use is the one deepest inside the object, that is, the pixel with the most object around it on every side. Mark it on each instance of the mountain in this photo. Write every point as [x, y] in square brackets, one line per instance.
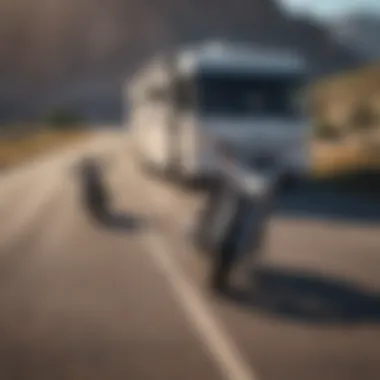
[360, 32]
[50, 46]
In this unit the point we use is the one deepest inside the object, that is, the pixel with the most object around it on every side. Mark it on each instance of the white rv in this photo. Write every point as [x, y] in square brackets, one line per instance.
[186, 105]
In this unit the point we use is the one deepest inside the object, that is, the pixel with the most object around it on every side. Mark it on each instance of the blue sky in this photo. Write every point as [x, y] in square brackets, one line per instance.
[328, 8]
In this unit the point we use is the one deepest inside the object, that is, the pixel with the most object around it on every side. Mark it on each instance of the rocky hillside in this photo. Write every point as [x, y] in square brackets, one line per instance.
[51, 45]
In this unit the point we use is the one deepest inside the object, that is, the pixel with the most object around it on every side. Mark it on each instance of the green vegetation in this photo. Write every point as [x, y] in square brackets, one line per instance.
[363, 119]
[63, 119]
[326, 131]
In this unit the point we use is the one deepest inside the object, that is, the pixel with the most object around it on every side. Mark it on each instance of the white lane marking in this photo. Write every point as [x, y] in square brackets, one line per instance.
[224, 352]
[230, 361]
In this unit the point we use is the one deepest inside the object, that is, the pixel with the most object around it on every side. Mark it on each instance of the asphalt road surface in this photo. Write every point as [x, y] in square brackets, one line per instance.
[83, 298]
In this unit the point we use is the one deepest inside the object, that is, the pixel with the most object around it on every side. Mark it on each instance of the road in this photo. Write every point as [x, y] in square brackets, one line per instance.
[87, 299]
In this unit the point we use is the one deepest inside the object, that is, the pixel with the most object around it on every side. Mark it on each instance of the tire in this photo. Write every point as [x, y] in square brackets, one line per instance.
[95, 194]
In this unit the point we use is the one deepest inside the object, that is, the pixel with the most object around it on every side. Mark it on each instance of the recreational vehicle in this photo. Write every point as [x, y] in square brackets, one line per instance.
[187, 107]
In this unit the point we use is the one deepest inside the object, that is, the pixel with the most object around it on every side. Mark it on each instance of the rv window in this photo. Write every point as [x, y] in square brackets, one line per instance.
[249, 95]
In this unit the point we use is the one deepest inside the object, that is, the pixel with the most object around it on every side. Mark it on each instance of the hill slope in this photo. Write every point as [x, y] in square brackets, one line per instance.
[48, 44]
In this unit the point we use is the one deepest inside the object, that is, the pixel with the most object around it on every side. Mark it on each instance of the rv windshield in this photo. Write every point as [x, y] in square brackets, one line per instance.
[256, 95]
